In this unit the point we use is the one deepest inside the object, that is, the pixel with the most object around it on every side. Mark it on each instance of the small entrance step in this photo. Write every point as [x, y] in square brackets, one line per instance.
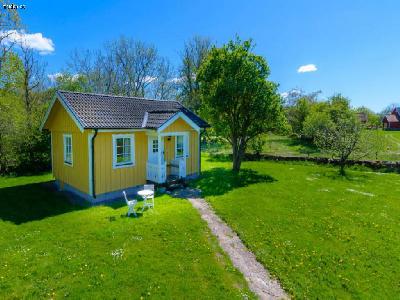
[174, 182]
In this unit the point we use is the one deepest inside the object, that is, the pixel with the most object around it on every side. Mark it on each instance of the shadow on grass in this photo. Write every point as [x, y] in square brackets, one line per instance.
[305, 147]
[219, 157]
[348, 176]
[219, 181]
[25, 203]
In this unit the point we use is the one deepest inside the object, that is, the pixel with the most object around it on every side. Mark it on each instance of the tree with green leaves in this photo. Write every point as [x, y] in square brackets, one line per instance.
[10, 22]
[237, 99]
[68, 82]
[372, 119]
[340, 133]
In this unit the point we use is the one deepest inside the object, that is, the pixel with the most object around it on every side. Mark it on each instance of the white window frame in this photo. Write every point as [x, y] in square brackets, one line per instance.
[183, 146]
[152, 146]
[65, 137]
[131, 163]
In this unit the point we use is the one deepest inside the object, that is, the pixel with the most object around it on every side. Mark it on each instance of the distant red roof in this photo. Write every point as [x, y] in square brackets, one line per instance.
[392, 118]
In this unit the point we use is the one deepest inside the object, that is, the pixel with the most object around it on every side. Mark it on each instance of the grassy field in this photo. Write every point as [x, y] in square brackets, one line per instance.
[322, 235]
[283, 145]
[51, 249]
[289, 146]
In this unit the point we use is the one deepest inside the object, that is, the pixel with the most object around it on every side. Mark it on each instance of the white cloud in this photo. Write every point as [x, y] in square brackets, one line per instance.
[149, 79]
[53, 77]
[176, 80]
[35, 41]
[284, 94]
[307, 68]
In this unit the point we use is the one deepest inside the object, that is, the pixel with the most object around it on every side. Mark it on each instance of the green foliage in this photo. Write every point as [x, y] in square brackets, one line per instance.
[373, 119]
[238, 100]
[23, 148]
[297, 114]
[73, 83]
[52, 249]
[315, 122]
[257, 144]
[341, 138]
[323, 236]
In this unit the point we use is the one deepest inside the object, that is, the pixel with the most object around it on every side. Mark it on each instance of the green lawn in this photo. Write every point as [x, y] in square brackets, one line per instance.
[290, 146]
[51, 249]
[393, 145]
[321, 235]
[287, 146]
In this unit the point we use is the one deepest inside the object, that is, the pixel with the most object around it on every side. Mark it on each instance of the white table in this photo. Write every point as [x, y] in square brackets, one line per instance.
[146, 194]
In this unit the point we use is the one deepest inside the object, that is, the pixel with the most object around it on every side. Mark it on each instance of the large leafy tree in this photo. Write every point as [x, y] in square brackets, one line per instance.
[337, 131]
[238, 100]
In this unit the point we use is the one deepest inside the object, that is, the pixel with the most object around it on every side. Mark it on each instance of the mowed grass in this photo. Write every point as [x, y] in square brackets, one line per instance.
[51, 249]
[322, 235]
[392, 151]
[290, 146]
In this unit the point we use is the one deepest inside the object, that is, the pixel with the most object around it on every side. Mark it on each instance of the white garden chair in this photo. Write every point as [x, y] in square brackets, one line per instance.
[148, 197]
[131, 204]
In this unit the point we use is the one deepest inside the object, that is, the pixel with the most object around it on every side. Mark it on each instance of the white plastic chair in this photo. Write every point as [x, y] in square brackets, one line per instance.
[131, 204]
[146, 202]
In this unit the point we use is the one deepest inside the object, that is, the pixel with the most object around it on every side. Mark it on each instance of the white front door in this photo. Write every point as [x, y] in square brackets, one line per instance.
[182, 152]
[153, 149]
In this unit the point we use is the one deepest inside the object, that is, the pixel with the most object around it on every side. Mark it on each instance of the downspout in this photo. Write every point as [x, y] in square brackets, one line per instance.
[200, 132]
[93, 178]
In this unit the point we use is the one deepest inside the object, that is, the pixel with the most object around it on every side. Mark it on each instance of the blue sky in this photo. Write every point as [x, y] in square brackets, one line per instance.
[354, 45]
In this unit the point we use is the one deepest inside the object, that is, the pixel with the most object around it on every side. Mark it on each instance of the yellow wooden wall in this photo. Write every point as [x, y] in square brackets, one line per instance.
[77, 175]
[178, 125]
[192, 162]
[108, 179]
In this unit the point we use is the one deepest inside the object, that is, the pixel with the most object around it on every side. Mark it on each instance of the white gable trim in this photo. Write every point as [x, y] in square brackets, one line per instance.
[123, 130]
[176, 117]
[69, 111]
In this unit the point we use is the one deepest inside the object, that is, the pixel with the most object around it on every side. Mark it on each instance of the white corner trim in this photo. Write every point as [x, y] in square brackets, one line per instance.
[69, 111]
[114, 150]
[52, 154]
[176, 117]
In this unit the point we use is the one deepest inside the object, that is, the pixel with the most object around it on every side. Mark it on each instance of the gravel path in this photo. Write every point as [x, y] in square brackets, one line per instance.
[258, 278]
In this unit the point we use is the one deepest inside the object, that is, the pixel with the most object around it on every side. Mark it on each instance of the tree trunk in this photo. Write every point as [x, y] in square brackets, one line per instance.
[342, 165]
[237, 161]
[237, 155]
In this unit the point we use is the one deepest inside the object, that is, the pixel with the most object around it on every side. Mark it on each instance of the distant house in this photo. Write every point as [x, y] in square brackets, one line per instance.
[363, 117]
[392, 120]
[102, 144]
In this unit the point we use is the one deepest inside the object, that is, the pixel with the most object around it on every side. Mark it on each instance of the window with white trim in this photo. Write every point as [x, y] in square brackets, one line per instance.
[68, 157]
[155, 146]
[123, 150]
[179, 144]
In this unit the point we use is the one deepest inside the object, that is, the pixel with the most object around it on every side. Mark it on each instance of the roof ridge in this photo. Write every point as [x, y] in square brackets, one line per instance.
[161, 110]
[119, 96]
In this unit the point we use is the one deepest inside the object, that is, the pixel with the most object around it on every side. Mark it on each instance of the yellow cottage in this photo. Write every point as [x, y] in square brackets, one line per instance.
[103, 144]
